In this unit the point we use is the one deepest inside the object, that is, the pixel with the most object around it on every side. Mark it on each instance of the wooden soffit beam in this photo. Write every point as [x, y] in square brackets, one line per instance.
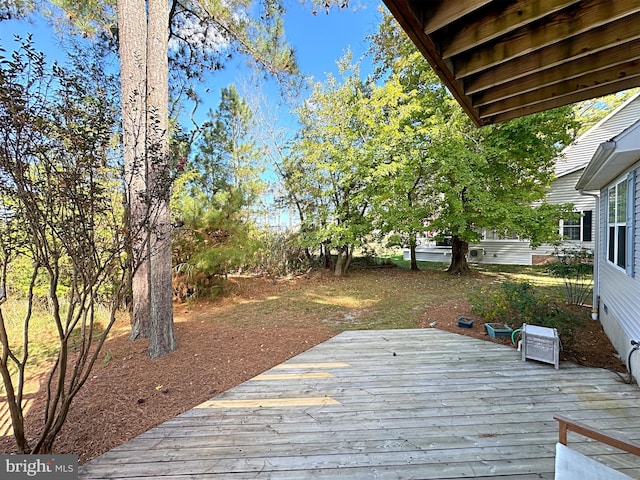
[506, 58]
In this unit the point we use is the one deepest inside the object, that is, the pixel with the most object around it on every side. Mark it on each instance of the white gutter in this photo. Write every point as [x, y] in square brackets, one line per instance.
[601, 155]
[599, 159]
[595, 302]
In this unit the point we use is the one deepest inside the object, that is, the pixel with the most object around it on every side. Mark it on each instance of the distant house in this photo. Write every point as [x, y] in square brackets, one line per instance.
[613, 174]
[568, 168]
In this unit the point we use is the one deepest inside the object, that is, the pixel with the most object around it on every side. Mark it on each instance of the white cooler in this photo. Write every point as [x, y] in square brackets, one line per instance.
[541, 343]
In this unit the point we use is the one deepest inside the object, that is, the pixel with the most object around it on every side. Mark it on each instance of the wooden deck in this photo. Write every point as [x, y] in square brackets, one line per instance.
[392, 404]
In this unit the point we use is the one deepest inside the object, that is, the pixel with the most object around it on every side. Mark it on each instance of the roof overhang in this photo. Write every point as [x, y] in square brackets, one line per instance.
[612, 159]
[504, 59]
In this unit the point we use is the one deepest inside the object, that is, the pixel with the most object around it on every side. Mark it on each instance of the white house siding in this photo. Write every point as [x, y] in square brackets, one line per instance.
[429, 254]
[636, 235]
[619, 306]
[563, 190]
[577, 155]
[505, 252]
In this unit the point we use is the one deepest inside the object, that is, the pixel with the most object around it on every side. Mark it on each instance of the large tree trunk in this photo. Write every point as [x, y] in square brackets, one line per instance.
[412, 249]
[132, 35]
[342, 262]
[326, 255]
[162, 338]
[143, 36]
[459, 250]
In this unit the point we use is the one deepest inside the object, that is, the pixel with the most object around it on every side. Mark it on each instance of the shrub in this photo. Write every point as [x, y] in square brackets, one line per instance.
[281, 254]
[576, 268]
[517, 303]
[61, 235]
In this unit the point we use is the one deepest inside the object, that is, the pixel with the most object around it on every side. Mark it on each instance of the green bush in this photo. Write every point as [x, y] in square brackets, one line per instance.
[575, 267]
[280, 254]
[517, 303]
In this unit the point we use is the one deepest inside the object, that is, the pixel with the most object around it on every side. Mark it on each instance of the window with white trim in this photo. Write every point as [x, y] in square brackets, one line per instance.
[578, 229]
[571, 229]
[620, 206]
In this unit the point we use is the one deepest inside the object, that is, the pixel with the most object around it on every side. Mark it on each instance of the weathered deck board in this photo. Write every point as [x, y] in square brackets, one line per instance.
[399, 404]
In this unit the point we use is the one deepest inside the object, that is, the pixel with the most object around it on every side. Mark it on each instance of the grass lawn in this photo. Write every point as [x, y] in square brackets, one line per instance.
[367, 298]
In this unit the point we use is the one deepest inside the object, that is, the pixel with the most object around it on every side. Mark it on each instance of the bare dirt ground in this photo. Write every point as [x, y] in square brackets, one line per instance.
[128, 393]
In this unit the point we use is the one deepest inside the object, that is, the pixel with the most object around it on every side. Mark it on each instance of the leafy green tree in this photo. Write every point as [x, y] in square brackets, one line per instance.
[399, 186]
[227, 155]
[332, 161]
[491, 178]
[590, 112]
[488, 178]
[213, 240]
[415, 200]
[361, 165]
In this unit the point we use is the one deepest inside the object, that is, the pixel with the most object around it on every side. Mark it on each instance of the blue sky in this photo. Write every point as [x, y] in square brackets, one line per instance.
[322, 39]
[319, 41]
